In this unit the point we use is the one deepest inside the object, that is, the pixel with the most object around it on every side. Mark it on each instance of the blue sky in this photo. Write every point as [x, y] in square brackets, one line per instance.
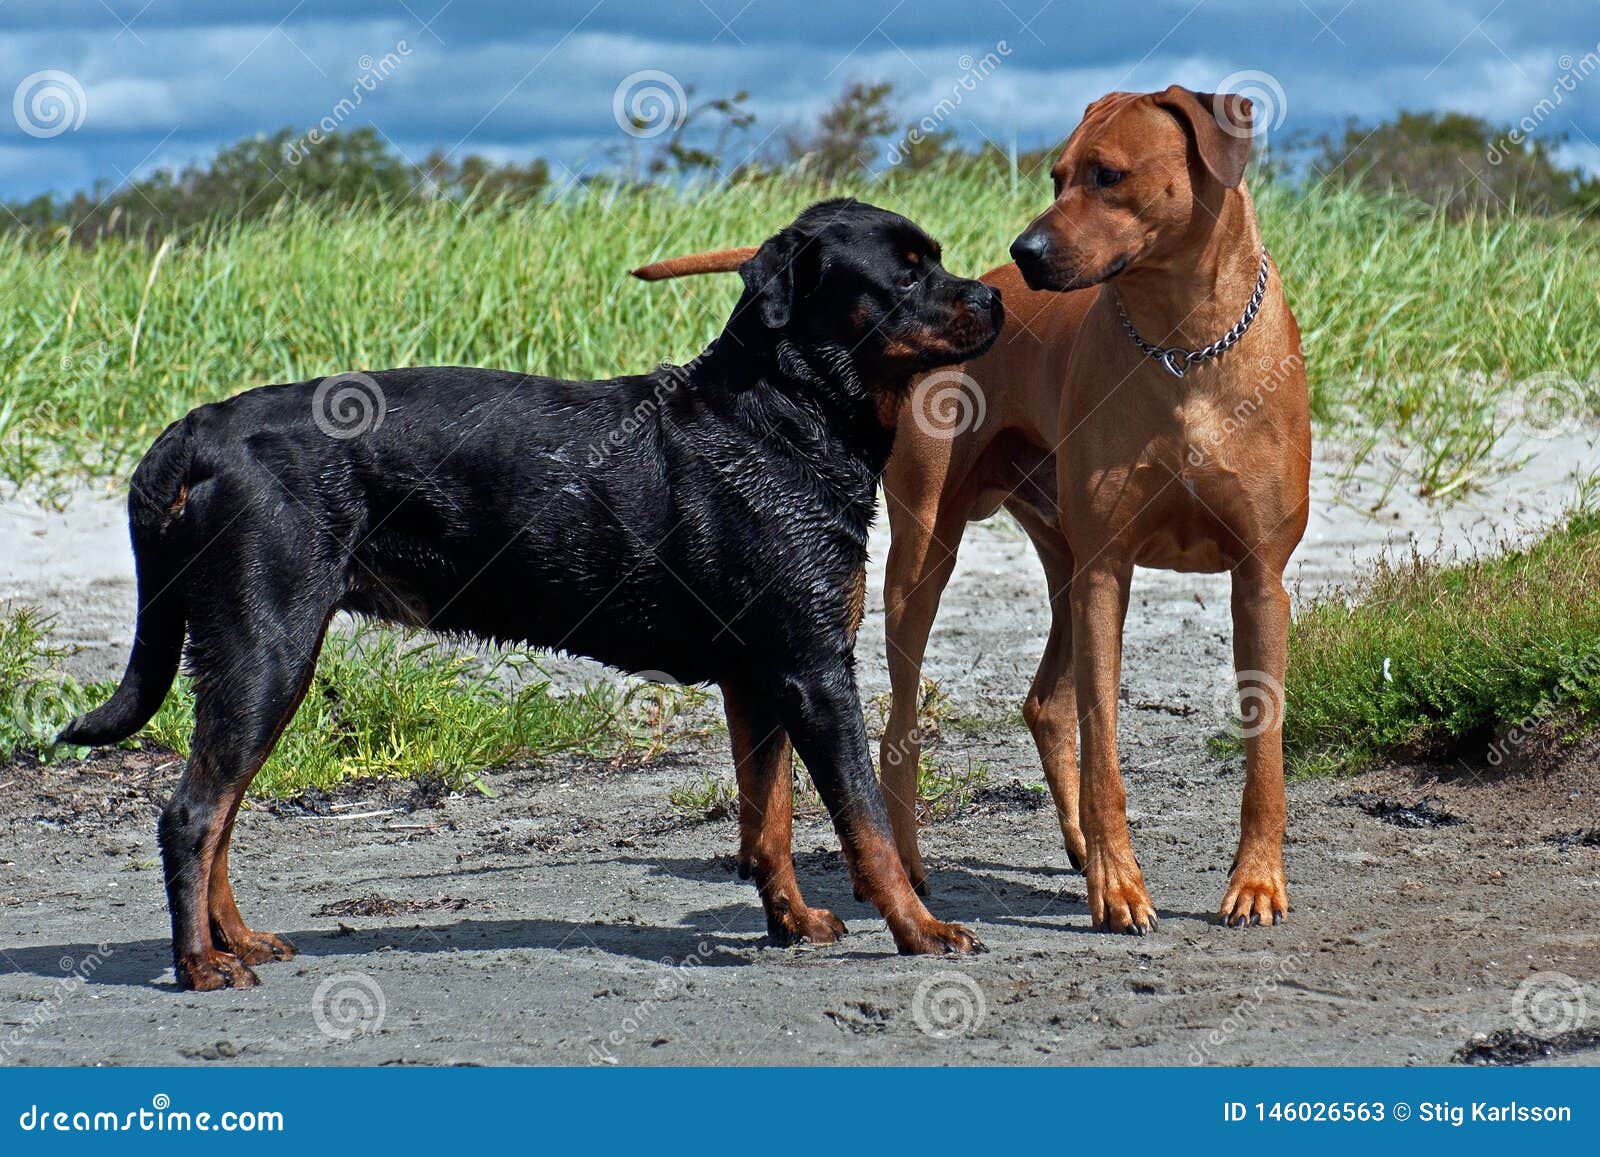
[163, 82]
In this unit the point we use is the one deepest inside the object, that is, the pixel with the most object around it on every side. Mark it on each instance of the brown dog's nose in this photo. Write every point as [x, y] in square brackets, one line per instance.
[1028, 250]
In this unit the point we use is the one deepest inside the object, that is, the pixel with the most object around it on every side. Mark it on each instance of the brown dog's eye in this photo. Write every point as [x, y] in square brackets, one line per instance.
[1104, 178]
[908, 279]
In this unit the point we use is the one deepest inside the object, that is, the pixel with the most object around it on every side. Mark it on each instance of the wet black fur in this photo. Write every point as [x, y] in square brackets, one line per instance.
[705, 521]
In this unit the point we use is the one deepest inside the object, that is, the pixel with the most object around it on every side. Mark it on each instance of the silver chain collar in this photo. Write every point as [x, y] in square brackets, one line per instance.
[1176, 360]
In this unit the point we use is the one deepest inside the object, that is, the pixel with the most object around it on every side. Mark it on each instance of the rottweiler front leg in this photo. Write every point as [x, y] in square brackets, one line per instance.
[765, 769]
[821, 710]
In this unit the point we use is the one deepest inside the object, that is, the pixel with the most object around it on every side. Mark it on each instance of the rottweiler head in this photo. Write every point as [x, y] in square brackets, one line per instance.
[848, 279]
[1137, 180]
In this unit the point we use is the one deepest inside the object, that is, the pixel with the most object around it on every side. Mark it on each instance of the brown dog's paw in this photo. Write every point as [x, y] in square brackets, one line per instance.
[260, 948]
[1077, 847]
[1118, 901]
[806, 926]
[213, 970]
[938, 938]
[1256, 895]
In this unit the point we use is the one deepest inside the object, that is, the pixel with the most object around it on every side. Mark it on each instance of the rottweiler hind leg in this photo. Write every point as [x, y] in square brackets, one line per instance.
[248, 689]
[822, 712]
[764, 766]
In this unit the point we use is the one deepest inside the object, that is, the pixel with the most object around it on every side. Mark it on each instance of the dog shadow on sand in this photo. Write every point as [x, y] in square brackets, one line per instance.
[724, 936]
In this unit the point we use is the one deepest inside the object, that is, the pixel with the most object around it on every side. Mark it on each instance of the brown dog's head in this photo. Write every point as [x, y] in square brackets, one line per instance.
[1139, 174]
[850, 276]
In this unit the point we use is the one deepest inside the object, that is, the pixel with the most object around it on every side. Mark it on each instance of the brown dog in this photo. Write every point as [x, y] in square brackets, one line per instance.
[1113, 454]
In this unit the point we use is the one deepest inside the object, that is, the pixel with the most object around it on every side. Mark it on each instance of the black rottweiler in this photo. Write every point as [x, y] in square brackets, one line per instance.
[709, 521]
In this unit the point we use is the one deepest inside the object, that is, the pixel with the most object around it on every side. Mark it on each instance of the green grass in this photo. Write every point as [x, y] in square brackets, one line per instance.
[381, 704]
[1431, 661]
[1414, 325]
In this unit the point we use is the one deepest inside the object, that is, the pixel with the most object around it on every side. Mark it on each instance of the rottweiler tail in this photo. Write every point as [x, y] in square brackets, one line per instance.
[155, 503]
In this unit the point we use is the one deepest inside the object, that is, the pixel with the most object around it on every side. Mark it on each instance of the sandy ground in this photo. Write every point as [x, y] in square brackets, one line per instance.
[574, 918]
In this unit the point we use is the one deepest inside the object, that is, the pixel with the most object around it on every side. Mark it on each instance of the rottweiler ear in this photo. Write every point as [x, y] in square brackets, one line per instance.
[769, 278]
[1221, 123]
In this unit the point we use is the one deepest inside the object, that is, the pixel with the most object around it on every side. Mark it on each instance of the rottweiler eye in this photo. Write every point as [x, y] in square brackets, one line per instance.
[1104, 178]
[908, 279]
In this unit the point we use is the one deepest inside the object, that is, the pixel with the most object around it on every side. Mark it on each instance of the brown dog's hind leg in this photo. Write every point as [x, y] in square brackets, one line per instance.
[1051, 709]
[921, 559]
[1116, 892]
[763, 763]
[1258, 890]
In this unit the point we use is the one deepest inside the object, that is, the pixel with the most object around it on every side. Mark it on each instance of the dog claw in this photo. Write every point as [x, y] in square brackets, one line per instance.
[213, 971]
[939, 939]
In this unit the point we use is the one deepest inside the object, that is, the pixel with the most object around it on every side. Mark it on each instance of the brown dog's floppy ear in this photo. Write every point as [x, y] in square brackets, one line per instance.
[1221, 124]
[769, 278]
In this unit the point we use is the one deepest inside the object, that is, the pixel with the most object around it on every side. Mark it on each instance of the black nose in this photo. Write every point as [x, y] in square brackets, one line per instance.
[1029, 249]
[980, 297]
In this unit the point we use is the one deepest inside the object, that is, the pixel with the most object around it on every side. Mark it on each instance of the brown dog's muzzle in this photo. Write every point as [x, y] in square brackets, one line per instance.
[1042, 265]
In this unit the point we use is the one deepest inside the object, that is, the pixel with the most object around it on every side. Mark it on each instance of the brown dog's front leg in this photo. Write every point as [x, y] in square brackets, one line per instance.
[1258, 890]
[764, 767]
[1117, 897]
[822, 712]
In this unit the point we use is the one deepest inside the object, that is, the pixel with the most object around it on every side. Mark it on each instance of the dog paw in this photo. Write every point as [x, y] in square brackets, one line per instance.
[1257, 894]
[806, 926]
[260, 948]
[1077, 847]
[937, 938]
[214, 970]
[1118, 901]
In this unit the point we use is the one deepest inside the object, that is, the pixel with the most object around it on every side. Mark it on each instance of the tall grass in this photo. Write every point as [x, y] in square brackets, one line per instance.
[1435, 661]
[1413, 324]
